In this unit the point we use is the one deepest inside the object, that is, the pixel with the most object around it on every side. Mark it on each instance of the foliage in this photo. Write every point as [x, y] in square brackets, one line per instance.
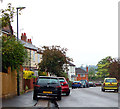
[114, 68]
[42, 73]
[91, 74]
[13, 53]
[103, 67]
[7, 15]
[28, 75]
[54, 59]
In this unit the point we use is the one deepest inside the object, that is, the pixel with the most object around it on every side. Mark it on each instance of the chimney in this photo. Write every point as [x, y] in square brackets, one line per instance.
[24, 37]
[86, 68]
[29, 41]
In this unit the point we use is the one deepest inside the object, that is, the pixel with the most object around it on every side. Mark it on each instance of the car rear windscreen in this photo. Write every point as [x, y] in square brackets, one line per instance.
[61, 80]
[111, 80]
[47, 81]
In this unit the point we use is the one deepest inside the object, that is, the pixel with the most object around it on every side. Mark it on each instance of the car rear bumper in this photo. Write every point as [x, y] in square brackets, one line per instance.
[65, 90]
[110, 88]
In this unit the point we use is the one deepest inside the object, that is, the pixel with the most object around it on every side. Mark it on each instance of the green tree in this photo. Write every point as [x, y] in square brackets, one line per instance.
[91, 74]
[13, 53]
[103, 67]
[7, 15]
[54, 60]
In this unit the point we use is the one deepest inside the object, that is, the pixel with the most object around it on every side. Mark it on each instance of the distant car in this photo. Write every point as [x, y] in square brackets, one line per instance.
[98, 84]
[91, 84]
[87, 83]
[76, 84]
[110, 84]
[83, 84]
[47, 86]
[64, 85]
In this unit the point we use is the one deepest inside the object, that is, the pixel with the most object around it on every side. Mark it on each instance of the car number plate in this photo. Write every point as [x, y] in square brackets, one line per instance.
[76, 83]
[47, 92]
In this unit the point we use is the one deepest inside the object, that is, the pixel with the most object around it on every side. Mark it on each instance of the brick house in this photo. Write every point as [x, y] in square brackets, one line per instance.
[81, 74]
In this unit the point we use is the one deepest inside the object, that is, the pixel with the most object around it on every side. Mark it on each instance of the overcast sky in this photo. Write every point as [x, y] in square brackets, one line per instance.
[87, 28]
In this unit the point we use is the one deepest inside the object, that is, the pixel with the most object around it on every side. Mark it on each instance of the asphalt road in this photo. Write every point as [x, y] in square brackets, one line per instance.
[82, 97]
[89, 97]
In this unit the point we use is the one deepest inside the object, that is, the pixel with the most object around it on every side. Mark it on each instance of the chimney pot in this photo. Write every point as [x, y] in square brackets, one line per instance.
[24, 34]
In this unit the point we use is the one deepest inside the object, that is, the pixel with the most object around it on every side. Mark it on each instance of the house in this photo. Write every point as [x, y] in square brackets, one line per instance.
[71, 71]
[30, 64]
[81, 74]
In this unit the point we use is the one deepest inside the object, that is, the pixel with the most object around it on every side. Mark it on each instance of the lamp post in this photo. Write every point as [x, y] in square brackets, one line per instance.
[17, 19]
[18, 88]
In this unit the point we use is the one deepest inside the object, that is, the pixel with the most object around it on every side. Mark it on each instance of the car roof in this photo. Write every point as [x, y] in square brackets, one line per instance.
[47, 77]
[110, 78]
[76, 81]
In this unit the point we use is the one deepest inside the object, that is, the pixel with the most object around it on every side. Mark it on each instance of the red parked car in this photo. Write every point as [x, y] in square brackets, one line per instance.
[64, 85]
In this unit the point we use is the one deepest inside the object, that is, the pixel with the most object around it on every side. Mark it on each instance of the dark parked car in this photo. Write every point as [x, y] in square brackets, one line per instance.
[87, 83]
[76, 84]
[64, 85]
[91, 84]
[83, 84]
[47, 86]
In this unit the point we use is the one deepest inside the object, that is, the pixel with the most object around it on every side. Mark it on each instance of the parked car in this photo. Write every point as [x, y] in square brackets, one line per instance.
[64, 85]
[47, 86]
[83, 84]
[110, 84]
[87, 83]
[91, 84]
[98, 84]
[76, 84]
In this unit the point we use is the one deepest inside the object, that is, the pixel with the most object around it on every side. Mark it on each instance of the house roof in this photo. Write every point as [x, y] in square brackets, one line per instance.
[29, 45]
[71, 64]
[79, 70]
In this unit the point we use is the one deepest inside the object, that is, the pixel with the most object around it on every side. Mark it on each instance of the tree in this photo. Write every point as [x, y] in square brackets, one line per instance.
[7, 15]
[91, 74]
[13, 53]
[114, 68]
[103, 67]
[54, 60]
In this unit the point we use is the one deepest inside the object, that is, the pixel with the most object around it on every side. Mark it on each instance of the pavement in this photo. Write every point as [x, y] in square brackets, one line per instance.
[24, 100]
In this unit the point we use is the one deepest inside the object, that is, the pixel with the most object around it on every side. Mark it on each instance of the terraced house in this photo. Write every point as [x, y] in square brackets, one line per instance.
[31, 63]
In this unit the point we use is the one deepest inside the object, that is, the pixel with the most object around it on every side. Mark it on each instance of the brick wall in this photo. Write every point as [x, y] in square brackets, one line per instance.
[82, 78]
[9, 83]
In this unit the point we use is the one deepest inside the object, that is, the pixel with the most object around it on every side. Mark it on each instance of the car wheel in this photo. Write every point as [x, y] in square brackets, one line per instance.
[103, 90]
[34, 96]
[116, 90]
[59, 97]
[67, 94]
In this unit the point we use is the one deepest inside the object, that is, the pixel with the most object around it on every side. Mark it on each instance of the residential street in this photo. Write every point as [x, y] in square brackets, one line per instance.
[82, 97]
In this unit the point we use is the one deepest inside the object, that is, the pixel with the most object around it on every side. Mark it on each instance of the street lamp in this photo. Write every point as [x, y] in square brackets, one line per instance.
[18, 91]
[17, 19]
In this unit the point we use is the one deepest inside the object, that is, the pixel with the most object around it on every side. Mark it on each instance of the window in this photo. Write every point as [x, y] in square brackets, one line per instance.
[33, 55]
[38, 58]
[82, 75]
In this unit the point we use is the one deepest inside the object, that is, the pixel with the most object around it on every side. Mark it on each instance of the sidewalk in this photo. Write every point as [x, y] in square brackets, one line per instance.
[24, 100]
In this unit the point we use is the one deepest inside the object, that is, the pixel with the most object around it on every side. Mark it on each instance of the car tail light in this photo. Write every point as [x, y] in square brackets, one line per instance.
[58, 86]
[37, 85]
[104, 84]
